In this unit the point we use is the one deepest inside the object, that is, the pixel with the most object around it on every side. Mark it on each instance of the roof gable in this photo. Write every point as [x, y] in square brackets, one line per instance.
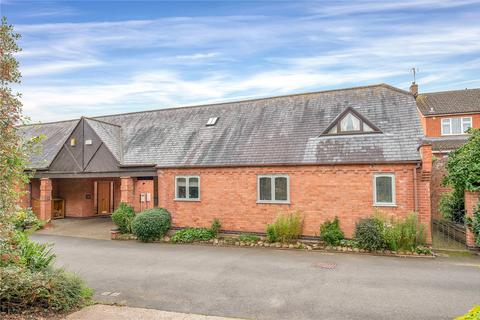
[84, 151]
[351, 121]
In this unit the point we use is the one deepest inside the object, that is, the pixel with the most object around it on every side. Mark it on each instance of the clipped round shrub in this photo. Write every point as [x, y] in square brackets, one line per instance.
[331, 233]
[53, 289]
[369, 234]
[123, 217]
[151, 224]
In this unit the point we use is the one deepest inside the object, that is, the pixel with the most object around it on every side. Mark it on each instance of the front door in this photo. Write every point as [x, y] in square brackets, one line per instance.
[104, 197]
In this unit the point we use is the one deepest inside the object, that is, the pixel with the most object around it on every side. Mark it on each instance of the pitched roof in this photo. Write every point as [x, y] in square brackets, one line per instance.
[277, 130]
[447, 144]
[449, 102]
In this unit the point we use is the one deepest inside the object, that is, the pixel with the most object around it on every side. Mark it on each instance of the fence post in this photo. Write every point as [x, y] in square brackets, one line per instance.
[471, 202]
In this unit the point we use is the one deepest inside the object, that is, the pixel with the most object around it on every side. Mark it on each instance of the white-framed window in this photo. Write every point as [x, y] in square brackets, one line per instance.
[273, 188]
[384, 189]
[459, 125]
[187, 188]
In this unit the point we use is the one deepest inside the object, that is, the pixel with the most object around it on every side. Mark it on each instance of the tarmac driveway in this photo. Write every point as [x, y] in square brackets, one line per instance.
[92, 228]
[258, 283]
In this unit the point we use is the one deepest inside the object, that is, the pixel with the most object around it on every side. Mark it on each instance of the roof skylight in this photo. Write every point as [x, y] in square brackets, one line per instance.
[212, 121]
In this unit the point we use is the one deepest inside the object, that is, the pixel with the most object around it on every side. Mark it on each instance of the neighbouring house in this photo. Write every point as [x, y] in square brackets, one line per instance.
[446, 116]
[344, 153]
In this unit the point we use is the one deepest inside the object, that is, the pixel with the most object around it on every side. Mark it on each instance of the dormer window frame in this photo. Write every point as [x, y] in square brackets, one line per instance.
[338, 120]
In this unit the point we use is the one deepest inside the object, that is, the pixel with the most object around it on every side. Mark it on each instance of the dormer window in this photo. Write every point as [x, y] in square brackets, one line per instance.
[351, 122]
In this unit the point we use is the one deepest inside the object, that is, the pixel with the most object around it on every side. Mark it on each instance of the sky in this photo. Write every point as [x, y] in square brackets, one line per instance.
[88, 58]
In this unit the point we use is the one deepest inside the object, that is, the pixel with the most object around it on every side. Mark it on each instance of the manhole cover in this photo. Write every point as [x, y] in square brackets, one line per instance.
[322, 265]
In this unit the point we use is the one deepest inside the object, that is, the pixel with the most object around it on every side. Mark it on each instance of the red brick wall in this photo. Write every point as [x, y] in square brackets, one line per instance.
[74, 191]
[471, 202]
[142, 186]
[432, 126]
[320, 192]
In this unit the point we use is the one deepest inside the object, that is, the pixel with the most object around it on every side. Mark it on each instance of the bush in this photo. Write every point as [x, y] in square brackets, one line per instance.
[151, 224]
[20, 251]
[216, 226]
[287, 227]
[452, 206]
[247, 237]
[25, 219]
[369, 233]
[123, 217]
[55, 290]
[189, 235]
[271, 235]
[331, 233]
[472, 314]
[406, 234]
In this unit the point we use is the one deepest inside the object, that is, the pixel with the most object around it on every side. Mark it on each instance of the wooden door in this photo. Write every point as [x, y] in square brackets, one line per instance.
[104, 197]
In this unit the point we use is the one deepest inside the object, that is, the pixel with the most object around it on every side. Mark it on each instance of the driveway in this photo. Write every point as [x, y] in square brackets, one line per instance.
[261, 283]
[92, 228]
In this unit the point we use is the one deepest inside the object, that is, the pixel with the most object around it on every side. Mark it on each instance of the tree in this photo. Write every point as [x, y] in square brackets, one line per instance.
[14, 150]
[463, 165]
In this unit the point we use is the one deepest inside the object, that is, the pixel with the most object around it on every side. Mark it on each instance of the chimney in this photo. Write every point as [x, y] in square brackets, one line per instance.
[414, 89]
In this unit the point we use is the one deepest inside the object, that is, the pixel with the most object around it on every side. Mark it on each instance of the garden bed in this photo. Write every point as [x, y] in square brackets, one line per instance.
[305, 245]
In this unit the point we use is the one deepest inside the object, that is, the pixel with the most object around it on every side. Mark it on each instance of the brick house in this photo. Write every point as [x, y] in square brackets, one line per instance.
[344, 153]
[446, 116]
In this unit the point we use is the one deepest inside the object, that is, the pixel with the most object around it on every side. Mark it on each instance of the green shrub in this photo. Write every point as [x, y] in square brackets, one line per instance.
[248, 237]
[369, 233]
[189, 235]
[123, 217]
[271, 235]
[330, 232]
[216, 226]
[151, 224]
[25, 290]
[19, 250]
[285, 228]
[452, 206]
[25, 219]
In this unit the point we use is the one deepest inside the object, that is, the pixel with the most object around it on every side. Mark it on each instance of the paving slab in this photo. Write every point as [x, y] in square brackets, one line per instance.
[106, 312]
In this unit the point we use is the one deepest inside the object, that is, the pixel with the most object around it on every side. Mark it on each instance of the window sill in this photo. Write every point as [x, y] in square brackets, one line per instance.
[273, 202]
[187, 200]
[385, 205]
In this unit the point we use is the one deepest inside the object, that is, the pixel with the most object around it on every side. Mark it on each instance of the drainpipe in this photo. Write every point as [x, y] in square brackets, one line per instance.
[415, 195]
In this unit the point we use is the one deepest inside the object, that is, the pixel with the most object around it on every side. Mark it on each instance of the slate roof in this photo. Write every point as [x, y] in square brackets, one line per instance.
[449, 102]
[110, 135]
[270, 131]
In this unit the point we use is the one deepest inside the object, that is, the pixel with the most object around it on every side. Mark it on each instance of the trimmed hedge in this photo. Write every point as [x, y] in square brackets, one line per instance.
[151, 224]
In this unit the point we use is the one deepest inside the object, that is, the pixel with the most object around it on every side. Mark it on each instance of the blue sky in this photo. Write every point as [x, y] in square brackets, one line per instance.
[102, 57]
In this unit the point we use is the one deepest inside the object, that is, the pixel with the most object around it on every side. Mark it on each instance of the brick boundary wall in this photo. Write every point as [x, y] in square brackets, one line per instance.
[471, 202]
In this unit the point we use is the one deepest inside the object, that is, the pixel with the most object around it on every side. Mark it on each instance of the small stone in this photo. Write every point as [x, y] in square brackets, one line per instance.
[309, 248]
[237, 243]
[278, 245]
[356, 250]
[362, 250]
[291, 246]
[215, 242]
[344, 249]
[328, 248]
[260, 243]
[285, 246]
[252, 244]
[166, 239]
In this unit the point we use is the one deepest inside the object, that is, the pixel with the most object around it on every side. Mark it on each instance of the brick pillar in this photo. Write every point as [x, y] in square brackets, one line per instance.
[423, 190]
[127, 190]
[45, 199]
[471, 203]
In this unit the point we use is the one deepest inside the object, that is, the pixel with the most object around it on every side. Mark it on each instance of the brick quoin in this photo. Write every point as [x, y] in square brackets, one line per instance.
[321, 192]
